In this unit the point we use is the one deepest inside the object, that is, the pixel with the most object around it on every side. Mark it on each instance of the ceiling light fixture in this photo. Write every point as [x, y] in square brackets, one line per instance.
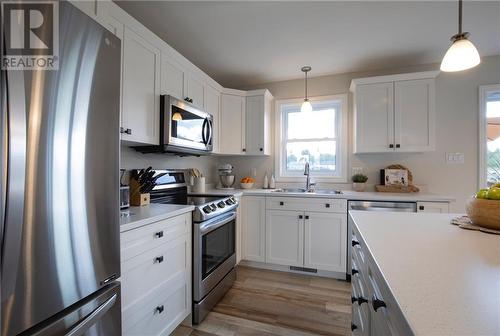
[306, 105]
[462, 54]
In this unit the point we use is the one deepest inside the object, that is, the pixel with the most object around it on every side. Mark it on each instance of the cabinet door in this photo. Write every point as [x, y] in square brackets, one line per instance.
[414, 113]
[285, 237]
[254, 122]
[194, 89]
[253, 215]
[325, 241]
[212, 106]
[141, 89]
[433, 207]
[374, 118]
[172, 78]
[232, 125]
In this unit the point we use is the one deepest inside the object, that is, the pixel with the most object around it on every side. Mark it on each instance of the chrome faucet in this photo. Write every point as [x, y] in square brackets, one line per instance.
[308, 178]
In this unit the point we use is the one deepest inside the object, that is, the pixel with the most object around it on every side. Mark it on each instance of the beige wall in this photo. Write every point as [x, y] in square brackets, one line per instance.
[456, 128]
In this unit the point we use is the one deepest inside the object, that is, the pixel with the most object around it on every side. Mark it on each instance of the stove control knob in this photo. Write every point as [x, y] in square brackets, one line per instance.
[221, 204]
[228, 202]
[213, 206]
[207, 209]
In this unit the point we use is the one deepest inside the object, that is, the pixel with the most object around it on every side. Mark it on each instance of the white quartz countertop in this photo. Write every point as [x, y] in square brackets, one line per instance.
[346, 194]
[445, 279]
[135, 217]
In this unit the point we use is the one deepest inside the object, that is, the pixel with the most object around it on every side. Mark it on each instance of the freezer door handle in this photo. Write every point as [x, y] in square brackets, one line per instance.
[93, 317]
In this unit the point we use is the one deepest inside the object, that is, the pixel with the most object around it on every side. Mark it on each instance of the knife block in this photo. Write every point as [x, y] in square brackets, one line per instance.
[136, 197]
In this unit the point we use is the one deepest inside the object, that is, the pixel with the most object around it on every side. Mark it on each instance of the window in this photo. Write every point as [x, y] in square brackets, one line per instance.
[490, 134]
[317, 137]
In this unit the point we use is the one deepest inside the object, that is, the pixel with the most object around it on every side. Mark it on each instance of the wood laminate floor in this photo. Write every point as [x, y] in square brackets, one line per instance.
[269, 303]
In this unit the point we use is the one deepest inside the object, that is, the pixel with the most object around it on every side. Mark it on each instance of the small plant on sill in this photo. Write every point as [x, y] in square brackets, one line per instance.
[359, 182]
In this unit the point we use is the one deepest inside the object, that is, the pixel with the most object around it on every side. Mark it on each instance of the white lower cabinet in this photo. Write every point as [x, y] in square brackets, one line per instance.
[156, 276]
[325, 241]
[308, 233]
[253, 217]
[285, 237]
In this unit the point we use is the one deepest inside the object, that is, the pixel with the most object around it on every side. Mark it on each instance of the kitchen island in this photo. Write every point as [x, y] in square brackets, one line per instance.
[433, 277]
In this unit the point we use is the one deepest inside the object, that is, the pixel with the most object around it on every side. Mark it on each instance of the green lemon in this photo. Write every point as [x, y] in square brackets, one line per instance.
[483, 193]
[494, 194]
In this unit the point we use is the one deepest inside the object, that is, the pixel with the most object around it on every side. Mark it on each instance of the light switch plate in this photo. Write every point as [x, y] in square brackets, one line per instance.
[455, 158]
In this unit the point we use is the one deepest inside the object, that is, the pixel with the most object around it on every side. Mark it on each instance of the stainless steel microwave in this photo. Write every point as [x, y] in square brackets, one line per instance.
[184, 129]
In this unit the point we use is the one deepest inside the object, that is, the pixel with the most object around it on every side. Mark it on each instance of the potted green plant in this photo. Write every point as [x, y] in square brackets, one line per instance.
[359, 182]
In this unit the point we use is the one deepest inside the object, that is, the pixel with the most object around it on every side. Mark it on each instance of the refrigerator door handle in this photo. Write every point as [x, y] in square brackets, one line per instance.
[4, 136]
[93, 317]
[15, 156]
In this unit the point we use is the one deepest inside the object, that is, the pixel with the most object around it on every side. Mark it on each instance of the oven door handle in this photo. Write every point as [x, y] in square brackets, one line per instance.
[216, 223]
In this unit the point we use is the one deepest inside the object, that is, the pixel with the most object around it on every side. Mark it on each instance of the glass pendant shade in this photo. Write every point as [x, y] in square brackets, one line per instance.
[177, 117]
[306, 106]
[462, 55]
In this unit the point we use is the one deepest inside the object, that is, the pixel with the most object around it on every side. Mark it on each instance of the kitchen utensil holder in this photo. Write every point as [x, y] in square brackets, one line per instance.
[136, 197]
[198, 185]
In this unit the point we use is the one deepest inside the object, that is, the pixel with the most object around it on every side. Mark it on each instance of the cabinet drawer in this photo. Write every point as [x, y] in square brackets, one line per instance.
[159, 312]
[146, 271]
[307, 204]
[140, 240]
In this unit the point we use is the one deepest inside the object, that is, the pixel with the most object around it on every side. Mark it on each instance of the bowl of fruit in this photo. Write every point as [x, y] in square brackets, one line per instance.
[247, 182]
[484, 208]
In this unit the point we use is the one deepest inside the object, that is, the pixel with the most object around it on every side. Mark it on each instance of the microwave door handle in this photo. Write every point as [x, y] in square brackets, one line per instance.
[204, 138]
[209, 131]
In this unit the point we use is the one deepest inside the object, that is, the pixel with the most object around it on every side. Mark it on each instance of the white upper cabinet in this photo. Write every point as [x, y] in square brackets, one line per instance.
[232, 124]
[257, 122]
[194, 91]
[172, 78]
[374, 118]
[140, 89]
[414, 115]
[395, 113]
[212, 106]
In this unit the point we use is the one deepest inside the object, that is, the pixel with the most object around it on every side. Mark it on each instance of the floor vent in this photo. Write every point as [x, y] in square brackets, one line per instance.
[303, 269]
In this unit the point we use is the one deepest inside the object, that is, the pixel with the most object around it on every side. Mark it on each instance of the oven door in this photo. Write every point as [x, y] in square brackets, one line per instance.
[184, 126]
[213, 252]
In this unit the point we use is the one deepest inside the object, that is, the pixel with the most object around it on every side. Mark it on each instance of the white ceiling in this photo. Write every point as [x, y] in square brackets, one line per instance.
[241, 44]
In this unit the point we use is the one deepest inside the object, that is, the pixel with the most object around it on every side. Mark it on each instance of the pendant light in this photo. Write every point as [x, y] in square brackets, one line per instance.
[306, 105]
[462, 54]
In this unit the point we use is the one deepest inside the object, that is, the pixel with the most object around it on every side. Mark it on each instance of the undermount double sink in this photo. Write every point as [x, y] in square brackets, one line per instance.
[304, 191]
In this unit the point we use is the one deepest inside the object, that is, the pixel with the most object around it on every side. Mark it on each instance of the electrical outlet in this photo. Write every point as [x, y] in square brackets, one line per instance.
[455, 158]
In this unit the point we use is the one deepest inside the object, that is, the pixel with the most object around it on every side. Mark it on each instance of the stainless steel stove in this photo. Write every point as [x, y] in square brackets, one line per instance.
[214, 238]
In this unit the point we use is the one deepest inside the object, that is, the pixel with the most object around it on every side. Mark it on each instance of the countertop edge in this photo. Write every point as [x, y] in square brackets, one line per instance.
[145, 221]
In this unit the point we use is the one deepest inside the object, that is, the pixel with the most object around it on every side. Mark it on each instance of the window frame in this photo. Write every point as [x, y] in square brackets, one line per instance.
[342, 137]
[484, 90]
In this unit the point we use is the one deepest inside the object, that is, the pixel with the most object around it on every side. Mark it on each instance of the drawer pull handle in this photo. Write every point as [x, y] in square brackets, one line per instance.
[354, 271]
[159, 259]
[300, 217]
[353, 327]
[353, 299]
[327, 205]
[361, 300]
[307, 217]
[421, 208]
[160, 309]
[282, 203]
[354, 243]
[376, 303]
[159, 234]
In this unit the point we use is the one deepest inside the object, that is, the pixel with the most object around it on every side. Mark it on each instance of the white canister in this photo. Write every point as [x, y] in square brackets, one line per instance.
[198, 185]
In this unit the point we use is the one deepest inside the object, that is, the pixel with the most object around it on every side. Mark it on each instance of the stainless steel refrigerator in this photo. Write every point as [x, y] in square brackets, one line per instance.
[60, 252]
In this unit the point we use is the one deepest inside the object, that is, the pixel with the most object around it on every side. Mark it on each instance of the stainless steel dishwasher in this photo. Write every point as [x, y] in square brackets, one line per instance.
[372, 206]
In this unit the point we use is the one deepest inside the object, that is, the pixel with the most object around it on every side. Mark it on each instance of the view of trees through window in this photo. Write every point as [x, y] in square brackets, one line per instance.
[311, 137]
[493, 134]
